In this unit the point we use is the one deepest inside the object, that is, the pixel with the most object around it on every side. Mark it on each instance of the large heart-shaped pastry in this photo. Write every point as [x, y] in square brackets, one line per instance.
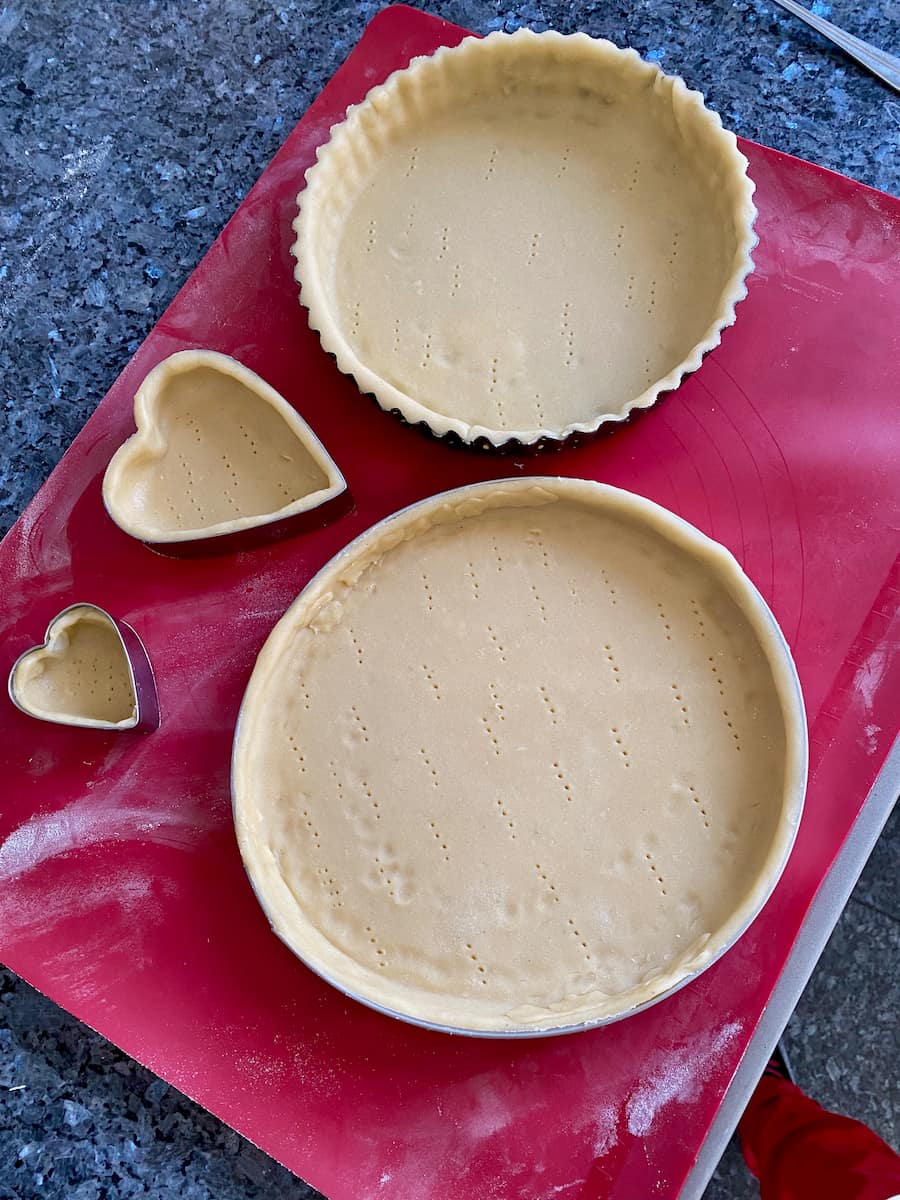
[91, 670]
[217, 452]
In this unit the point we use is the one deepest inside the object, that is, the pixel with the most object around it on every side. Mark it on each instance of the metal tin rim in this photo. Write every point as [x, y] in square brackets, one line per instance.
[799, 782]
[182, 361]
[416, 412]
[133, 722]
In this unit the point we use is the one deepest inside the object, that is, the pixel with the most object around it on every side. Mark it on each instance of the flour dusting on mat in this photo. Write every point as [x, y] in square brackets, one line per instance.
[122, 904]
[677, 1078]
[126, 808]
[83, 824]
[872, 732]
[604, 1131]
[489, 1109]
[869, 675]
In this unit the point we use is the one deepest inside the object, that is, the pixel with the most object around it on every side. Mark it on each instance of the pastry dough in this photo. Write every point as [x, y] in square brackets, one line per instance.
[522, 757]
[81, 675]
[524, 237]
[217, 451]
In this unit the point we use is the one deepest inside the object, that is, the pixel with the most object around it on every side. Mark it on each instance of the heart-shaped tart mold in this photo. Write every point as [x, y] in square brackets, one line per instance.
[217, 452]
[91, 670]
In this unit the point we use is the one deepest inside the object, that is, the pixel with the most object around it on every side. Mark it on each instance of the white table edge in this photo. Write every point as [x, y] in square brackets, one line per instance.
[817, 927]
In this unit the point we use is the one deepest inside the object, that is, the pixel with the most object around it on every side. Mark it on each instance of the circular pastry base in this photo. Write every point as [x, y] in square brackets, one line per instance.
[523, 758]
[524, 238]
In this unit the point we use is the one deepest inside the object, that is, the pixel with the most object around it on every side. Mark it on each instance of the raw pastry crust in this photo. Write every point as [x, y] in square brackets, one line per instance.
[524, 237]
[523, 757]
[81, 675]
[217, 450]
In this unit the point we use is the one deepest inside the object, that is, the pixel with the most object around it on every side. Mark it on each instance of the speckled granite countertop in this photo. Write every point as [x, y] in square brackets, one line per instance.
[130, 132]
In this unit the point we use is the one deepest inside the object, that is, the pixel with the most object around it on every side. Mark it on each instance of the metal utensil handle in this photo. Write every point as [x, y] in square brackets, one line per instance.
[880, 63]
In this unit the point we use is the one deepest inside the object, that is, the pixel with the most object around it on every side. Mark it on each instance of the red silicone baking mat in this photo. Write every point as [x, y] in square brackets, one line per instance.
[123, 896]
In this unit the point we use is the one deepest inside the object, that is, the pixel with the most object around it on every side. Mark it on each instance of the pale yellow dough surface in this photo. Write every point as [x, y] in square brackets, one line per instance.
[217, 451]
[522, 758]
[526, 234]
[80, 676]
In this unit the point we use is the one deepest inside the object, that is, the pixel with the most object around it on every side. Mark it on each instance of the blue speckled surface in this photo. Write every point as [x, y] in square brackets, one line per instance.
[130, 131]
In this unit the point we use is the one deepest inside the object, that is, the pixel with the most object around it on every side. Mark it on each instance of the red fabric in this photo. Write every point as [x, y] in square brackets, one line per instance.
[800, 1151]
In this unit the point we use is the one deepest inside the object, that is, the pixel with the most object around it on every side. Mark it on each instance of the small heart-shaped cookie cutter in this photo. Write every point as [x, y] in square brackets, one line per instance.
[137, 675]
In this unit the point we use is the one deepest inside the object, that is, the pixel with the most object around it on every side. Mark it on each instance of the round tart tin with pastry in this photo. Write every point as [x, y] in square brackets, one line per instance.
[524, 238]
[521, 759]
